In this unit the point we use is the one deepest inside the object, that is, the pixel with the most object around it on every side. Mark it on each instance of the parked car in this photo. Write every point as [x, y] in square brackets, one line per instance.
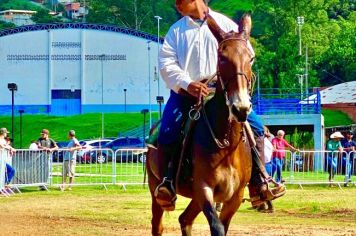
[102, 156]
[88, 145]
[57, 156]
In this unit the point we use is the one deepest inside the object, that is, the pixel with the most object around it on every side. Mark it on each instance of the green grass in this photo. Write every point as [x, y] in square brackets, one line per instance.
[89, 125]
[86, 125]
[335, 118]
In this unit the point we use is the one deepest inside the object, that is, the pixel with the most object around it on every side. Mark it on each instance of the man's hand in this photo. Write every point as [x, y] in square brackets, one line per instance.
[198, 89]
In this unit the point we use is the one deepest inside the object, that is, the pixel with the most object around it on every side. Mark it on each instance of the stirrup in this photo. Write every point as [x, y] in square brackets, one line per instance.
[165, 195]
[271, 194]
[268, 194]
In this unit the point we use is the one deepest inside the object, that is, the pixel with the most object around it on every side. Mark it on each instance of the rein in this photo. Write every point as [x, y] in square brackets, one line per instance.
[194, 113]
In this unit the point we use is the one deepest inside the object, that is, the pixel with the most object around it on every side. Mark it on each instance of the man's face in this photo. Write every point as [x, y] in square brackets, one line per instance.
[349, 136]
[43, 135]
[185, 7]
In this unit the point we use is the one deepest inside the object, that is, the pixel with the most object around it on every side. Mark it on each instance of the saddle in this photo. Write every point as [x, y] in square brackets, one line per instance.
[184, 164]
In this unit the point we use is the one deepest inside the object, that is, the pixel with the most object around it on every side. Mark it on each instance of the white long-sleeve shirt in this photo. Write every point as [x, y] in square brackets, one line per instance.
[189, 51]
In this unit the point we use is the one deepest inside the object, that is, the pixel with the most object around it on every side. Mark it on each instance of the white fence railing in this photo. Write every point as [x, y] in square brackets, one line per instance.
[127, 167]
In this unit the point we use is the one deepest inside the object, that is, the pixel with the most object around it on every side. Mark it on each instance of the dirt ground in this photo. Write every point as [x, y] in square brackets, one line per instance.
[33, 224]
[92, 211]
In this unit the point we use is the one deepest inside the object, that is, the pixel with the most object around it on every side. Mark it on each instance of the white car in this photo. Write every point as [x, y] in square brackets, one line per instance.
[88, 145]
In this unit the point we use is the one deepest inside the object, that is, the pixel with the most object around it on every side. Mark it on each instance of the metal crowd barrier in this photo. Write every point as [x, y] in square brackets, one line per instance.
[320, 167]
[104, 167]
[127, 167]
[32, 168]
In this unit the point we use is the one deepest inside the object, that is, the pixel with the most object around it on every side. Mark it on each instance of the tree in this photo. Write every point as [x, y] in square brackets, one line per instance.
[276, 29]
[6, 25]
[42, 16]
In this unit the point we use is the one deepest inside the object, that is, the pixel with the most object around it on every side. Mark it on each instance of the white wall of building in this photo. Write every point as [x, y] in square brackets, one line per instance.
[45, 60]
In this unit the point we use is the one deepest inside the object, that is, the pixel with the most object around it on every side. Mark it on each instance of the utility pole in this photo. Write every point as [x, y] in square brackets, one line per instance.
[306, 71]
[300, 22]
[158, 19]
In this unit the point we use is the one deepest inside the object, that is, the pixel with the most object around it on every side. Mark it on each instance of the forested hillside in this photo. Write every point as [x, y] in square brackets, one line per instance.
[328, 34]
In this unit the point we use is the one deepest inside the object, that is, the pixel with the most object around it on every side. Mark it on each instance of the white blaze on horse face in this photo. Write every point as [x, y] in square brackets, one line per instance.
[241, 101]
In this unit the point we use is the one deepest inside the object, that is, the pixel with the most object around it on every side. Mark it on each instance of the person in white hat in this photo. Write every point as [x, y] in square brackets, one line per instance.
[333, 147]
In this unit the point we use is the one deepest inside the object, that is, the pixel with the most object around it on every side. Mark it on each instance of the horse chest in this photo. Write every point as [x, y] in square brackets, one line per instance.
[227, 183]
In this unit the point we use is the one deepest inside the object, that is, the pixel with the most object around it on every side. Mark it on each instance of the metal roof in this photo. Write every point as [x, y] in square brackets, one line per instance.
[101, 27]
[340, 93]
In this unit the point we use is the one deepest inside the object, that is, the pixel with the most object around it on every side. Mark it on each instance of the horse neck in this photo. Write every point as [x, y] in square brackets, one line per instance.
[218, 116]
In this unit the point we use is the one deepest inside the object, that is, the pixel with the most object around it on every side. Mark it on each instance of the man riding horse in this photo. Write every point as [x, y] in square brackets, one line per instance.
[189, 56]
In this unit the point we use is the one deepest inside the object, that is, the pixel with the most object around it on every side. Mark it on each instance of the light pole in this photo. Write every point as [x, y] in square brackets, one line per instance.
[102, 58]
[125, 99]
[158, 19]
[84, 12]
[12, 87]
[300, 78]
[144, 111]
[149, 80]
[21, 112]
[300, 22]
[160, 100]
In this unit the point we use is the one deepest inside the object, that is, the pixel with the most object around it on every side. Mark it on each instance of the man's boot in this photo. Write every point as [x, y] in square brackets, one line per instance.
[165, 193]
[258, 187]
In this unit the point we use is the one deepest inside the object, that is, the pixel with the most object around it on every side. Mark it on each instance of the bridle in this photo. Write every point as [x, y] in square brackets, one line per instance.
[194, 113]
[250, 82]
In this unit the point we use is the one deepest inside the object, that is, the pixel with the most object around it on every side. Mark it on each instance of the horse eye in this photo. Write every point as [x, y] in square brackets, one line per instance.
[252, 60]
[222, 59]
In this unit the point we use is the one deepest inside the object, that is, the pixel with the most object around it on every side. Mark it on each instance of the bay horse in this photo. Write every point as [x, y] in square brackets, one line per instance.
[221, 159]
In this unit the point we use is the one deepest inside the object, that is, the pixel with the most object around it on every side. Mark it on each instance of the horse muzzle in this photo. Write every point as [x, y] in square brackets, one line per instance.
[240, 112]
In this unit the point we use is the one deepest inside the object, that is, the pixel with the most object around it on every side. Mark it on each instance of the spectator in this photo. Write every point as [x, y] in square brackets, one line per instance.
[69, 160]
[48, 145]
[33, 146]
[268, 150]
[332, 146]
[279, 153]
[349, 147]
[5, 145]
[45, 142]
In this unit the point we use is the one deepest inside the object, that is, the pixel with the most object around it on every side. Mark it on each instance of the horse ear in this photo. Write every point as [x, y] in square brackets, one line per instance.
[215, 29]
[245, 25]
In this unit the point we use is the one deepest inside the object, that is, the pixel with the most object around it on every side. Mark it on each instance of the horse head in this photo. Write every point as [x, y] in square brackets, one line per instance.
[235, 67]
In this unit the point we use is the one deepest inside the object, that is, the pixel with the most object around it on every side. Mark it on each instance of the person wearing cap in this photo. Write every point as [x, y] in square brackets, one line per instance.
[5, 145]
[333, 147]
[279, 154]
[45, 142]
[48, 145]
[69, 160]
[348, 156]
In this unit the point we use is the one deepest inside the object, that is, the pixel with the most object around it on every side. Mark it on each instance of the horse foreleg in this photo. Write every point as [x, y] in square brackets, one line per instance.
[206, 203]
[187, 217]
[157, 213]
[229, 209]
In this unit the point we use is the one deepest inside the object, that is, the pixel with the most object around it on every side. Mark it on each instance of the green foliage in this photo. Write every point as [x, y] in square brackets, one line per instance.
[231, 8]
[6, 25]
[18, 5]
[135, 14]
[328, 33]
[42, 16]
